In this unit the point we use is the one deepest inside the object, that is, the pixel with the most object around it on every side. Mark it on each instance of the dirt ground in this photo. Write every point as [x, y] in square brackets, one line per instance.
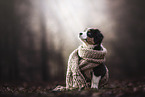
[115, 88]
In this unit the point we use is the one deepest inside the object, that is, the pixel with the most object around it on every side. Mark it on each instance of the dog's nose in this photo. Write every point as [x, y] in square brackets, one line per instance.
[81, 33]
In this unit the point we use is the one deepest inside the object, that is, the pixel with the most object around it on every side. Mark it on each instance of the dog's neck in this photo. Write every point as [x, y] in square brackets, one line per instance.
[94, 47]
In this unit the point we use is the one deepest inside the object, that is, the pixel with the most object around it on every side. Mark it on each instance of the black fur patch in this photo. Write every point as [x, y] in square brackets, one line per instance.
[96, 34]
[100, 70]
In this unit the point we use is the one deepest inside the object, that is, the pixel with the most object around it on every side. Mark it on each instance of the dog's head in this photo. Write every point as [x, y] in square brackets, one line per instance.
[91, 36]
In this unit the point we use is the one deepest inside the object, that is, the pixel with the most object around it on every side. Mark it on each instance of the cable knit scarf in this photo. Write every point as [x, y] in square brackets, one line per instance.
[83, 59]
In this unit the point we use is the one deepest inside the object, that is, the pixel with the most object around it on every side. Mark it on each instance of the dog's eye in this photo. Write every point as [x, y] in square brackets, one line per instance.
[89, 34]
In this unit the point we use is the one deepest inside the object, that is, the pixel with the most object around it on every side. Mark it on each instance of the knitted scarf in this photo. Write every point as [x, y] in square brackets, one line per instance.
[83, 59]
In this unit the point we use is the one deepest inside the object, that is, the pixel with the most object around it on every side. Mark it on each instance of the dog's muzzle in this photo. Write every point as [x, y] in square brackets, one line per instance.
[83, 35]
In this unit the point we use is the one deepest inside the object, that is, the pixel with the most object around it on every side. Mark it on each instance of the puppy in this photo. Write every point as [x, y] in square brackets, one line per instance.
[86, 66]
[93, 38]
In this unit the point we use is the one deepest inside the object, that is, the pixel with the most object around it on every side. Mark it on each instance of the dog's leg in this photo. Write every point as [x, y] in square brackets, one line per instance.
[95, 81]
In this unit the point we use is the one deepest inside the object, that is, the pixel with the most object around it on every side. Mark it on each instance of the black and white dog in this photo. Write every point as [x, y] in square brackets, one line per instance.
[86, 66]
[92, 36]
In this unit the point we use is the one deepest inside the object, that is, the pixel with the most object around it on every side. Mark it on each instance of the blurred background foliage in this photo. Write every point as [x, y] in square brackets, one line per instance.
[37, 36]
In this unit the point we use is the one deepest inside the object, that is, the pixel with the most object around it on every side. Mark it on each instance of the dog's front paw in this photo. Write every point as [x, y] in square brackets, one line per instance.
[95, 81]
[94, 86]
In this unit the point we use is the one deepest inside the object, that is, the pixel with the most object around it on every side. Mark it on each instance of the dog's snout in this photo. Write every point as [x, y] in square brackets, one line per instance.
[81, 33]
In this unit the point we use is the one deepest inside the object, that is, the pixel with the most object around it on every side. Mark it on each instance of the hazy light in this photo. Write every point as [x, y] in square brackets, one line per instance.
[66, 18]
[74, 16]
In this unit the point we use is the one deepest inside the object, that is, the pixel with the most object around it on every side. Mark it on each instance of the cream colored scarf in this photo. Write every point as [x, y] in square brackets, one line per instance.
[82, 59]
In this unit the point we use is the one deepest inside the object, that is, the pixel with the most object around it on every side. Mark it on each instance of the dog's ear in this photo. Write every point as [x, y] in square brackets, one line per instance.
[99, 37]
